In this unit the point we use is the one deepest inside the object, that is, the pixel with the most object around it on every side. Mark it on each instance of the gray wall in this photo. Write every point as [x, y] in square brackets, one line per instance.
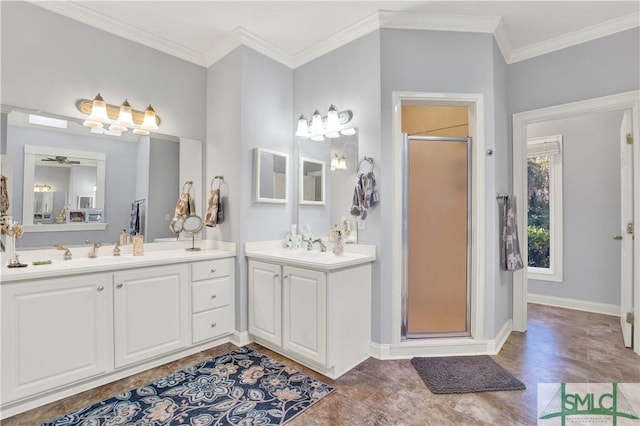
[432, 61]
[249, 99]
[349, 77]
[50, 61]
[591, 207]
[596, 68]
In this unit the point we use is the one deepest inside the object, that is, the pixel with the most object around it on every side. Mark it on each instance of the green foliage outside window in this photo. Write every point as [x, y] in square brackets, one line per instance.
[538, 211]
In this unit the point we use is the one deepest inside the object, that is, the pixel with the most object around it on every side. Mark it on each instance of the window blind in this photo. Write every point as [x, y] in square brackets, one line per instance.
[544, 146]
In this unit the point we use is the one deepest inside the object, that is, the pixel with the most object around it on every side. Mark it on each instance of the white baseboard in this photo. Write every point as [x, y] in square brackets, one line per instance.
[241, 338]
[502, 336]
[442, 346]
[579, 305]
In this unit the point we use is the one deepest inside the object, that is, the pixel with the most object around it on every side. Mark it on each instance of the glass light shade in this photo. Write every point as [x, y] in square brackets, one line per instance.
[333, 135]
[141, 132]
[348, 132]
[303, 127]
[316, 123]
[149, 121]
[117, 128]
[342, 163]
[335, 162]
[125, 117]
[98, 109]
[317, 138]
[333, 123]
[92, 124]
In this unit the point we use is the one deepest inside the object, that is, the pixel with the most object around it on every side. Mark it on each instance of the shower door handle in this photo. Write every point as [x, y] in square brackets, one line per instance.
[617, 237]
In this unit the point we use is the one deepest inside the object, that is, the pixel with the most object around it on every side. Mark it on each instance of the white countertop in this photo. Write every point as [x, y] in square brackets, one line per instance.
[154, 254]
[273, 251]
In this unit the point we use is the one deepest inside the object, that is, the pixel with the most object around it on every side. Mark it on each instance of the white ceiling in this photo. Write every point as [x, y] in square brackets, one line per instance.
[298, 31]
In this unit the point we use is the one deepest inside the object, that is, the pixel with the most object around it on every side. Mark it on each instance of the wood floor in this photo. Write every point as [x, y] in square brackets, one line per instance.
[560, 345]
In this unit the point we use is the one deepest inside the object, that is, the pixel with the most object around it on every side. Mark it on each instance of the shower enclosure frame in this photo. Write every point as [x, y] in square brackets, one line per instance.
[405, 335]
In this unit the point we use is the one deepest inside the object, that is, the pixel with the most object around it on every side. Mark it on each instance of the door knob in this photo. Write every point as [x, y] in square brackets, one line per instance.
[617, 237]
[100, 288]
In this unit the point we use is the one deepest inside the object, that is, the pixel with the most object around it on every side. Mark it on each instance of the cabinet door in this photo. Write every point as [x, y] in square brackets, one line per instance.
[151, 312]
[55, 332]
[265, 301]
[304, 313]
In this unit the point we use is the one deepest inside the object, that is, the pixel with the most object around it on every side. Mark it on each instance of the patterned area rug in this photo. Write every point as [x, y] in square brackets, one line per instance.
[462, 374]
[243, 387]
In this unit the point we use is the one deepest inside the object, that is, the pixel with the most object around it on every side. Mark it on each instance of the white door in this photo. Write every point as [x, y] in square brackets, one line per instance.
[151, 312]
[626, 238]
[54, 332]
[305, 313]
[265, 301]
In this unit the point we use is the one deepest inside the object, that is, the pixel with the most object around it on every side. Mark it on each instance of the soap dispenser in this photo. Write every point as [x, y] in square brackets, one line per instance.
[338, 248]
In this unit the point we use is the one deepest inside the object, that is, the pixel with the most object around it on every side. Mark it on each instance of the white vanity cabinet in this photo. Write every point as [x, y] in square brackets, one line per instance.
[212, 299]
[320, 318]
[101, 321]
[54, 332]
[151, 312]
[265, 301]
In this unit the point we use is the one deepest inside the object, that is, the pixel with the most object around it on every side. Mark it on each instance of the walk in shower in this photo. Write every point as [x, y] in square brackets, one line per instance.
[436, 236]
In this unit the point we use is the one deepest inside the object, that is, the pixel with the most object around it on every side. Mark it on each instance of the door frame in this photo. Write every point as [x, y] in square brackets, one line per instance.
[475, 103]
[621, 101]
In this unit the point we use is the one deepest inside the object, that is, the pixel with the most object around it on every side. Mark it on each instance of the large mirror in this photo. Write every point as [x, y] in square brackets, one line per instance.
[271, 172]
[49, 169]
[339, 184]
[311, 181]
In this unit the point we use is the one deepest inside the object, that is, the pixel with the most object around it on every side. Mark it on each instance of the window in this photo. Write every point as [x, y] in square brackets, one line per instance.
[544, 202]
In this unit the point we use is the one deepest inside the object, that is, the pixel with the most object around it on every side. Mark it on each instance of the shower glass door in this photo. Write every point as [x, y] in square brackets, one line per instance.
[437, 236]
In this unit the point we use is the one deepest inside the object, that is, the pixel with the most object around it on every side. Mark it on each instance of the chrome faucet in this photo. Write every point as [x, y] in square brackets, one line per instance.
[116, 250]
[67, 253]
[93, 251]
[317, 240]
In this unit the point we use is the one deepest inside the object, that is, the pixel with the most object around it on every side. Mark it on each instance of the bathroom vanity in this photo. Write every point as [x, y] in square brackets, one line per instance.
[311, 306]
[73, 325]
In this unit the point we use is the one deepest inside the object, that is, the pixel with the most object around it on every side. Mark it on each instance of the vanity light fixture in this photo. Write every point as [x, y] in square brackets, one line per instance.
[338, 163]
[321, 127]
[120, 119]
[41, 188]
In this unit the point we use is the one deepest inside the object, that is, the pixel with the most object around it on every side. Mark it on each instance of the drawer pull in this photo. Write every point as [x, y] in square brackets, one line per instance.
[100, 287]
[213, 325]
[120, 285]
[213, 296]
[286, 277]
[213, 270]
[276, 276]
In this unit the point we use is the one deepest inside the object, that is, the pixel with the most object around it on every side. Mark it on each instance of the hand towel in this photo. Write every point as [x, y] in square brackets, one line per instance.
[510, 259]
[214, 215]
[365, 195]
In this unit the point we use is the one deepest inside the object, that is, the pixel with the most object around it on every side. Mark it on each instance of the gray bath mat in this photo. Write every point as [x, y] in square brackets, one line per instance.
[462, 374]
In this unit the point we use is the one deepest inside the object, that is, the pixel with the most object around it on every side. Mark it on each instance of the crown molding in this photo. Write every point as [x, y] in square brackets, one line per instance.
[503, 40]
[423, 21]
[613, 26]
[82, 14]
[242, 37]
[359, 29]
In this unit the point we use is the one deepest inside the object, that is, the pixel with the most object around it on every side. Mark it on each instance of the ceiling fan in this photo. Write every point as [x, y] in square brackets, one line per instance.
[61, 160]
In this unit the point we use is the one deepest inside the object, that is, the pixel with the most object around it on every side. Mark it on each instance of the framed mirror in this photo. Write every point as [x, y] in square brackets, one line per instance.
[143, 171]
[312, 181]
[271, 172]
[62, 189]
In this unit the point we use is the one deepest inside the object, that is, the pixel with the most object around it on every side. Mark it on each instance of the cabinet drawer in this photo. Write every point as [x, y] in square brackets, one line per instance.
[211, 294]
[210, 324]
[211, 269]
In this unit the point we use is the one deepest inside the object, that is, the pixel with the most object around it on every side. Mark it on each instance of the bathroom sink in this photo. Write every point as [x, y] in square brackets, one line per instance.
[311, 258]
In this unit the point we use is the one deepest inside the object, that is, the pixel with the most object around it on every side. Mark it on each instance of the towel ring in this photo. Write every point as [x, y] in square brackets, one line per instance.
[189, 183]
[368, 160]
[220, 178]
